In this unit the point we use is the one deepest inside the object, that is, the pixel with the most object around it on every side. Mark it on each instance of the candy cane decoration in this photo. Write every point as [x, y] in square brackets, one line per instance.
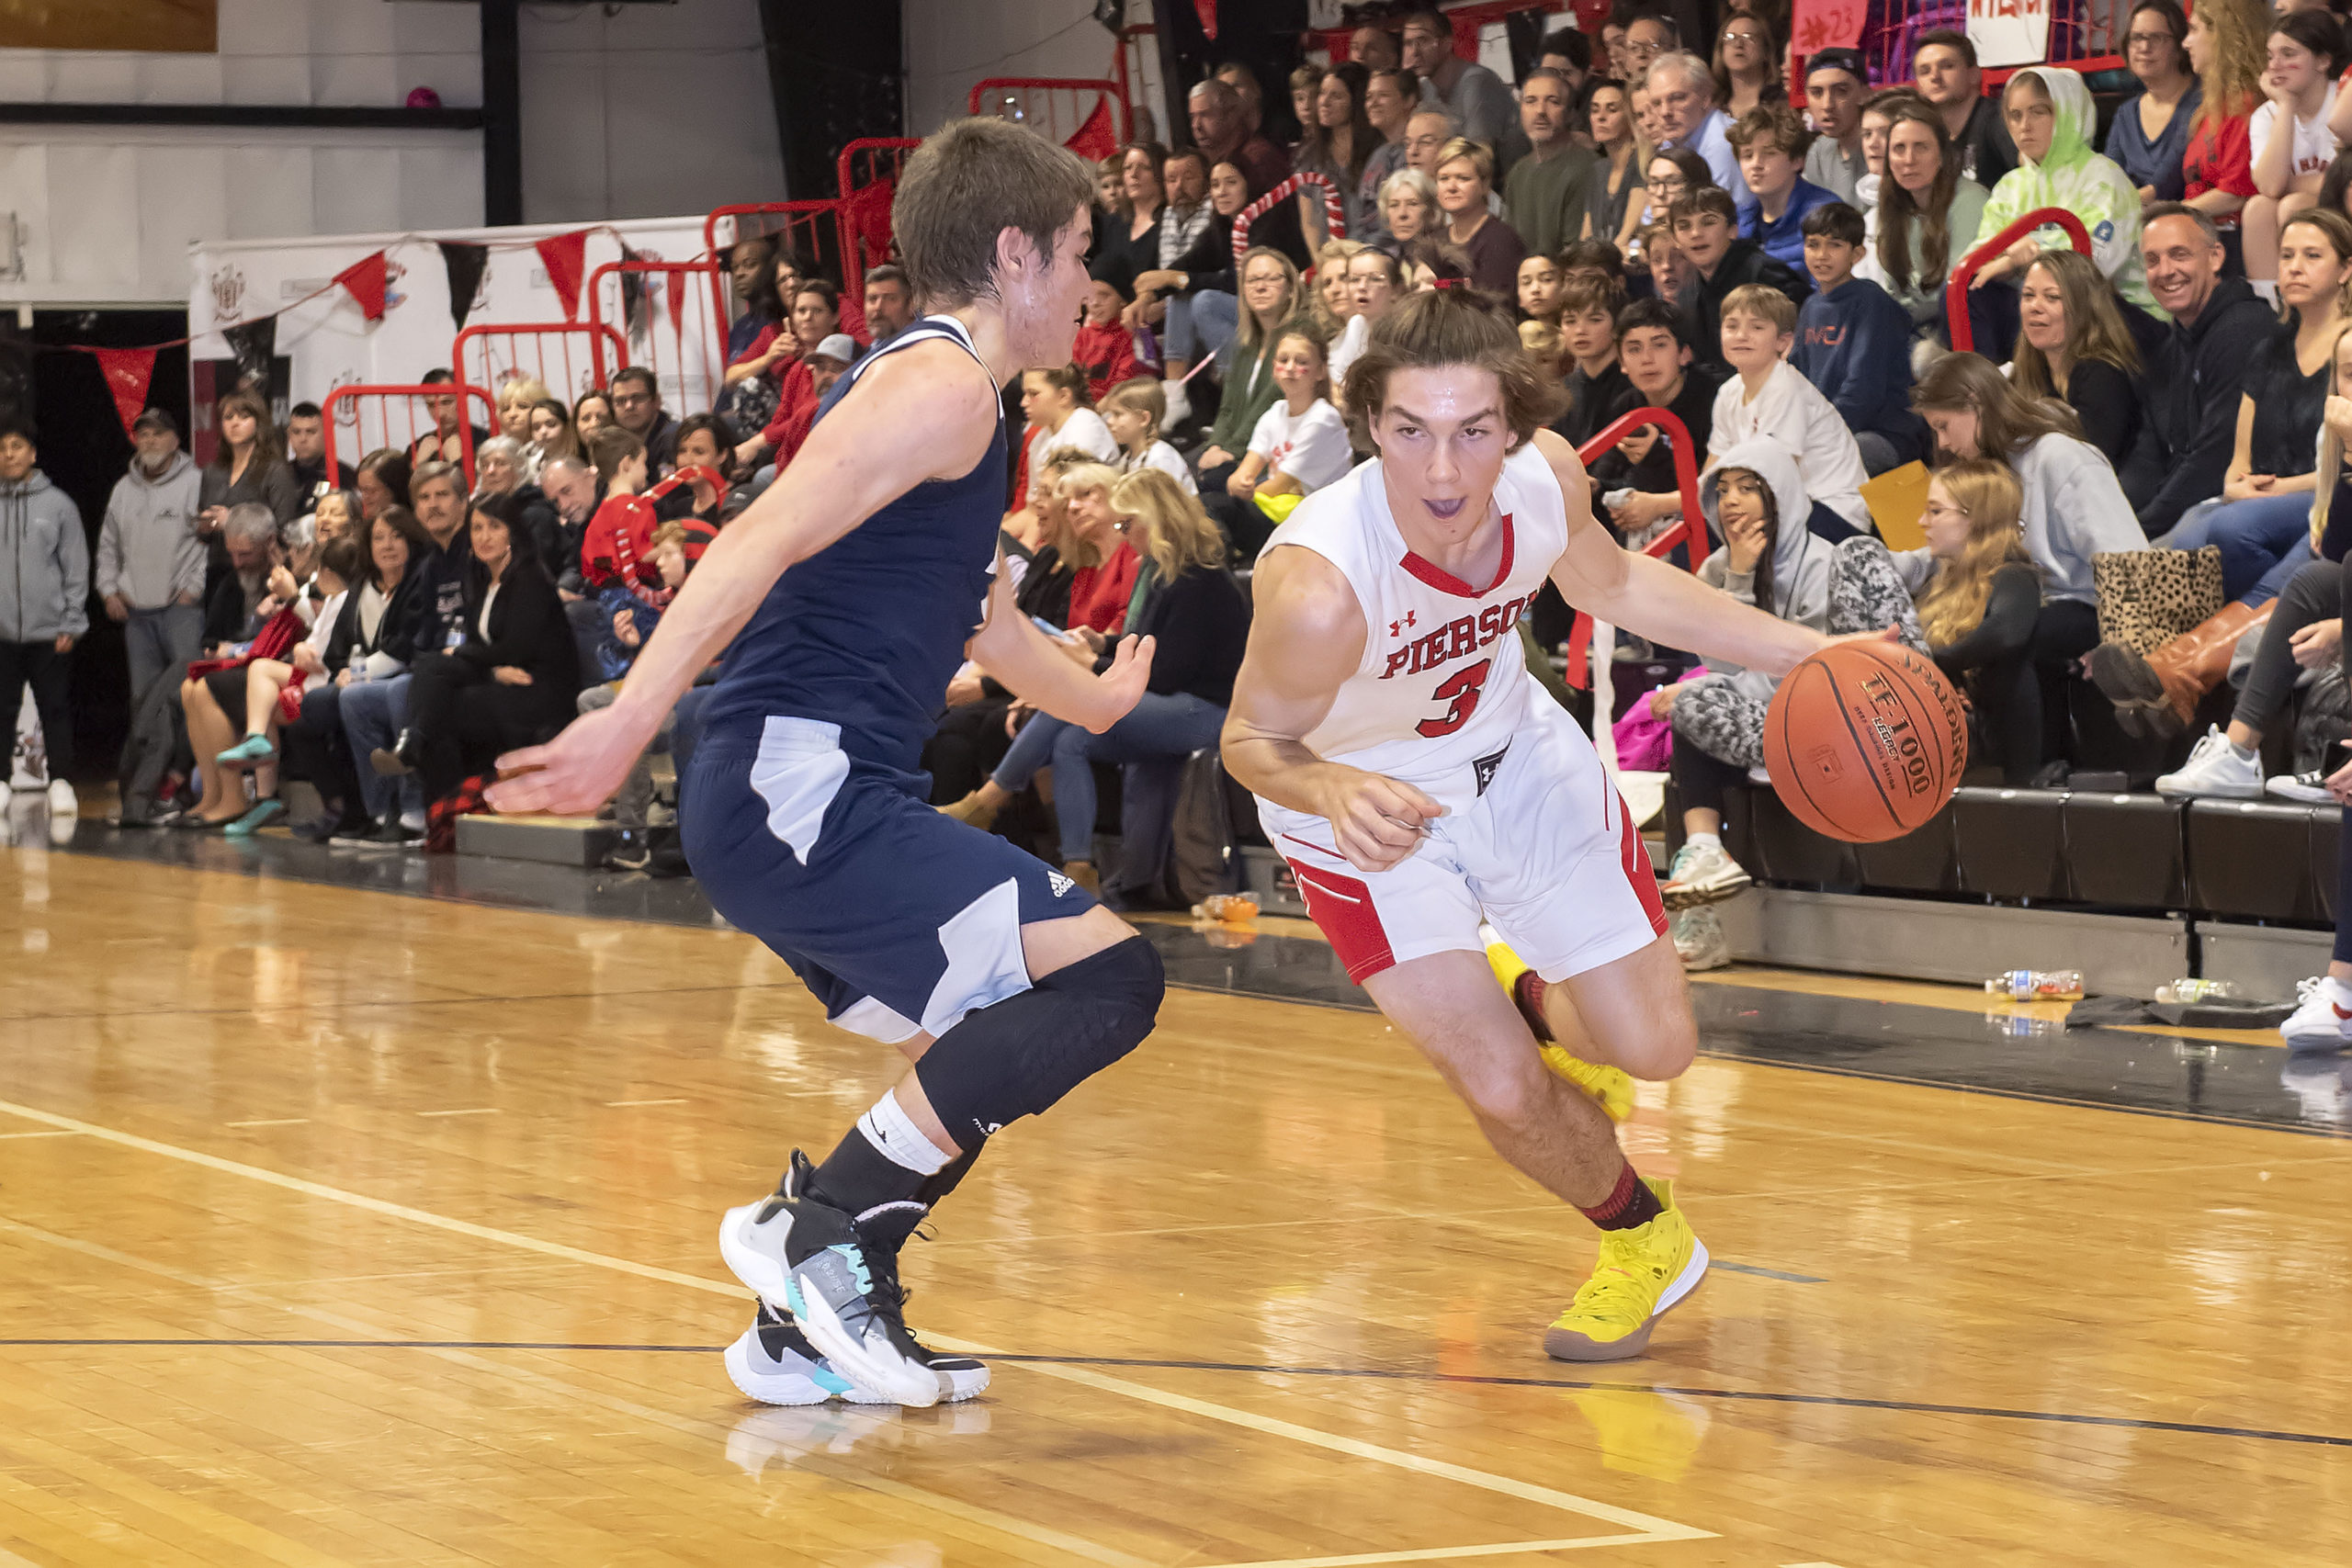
[1335, 220]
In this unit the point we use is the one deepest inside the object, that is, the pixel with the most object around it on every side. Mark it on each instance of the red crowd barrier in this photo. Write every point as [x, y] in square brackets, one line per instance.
[1692, 529]
[1089, 116]
[1964, 336]
[818, 232]
[682, 337]
[568, 357]
[399, 419]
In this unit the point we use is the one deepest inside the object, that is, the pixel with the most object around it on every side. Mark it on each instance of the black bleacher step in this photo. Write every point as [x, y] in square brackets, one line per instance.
[2255, 860]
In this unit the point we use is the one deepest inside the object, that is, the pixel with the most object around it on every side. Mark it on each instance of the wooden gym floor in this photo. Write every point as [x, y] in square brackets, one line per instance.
[341, 1226]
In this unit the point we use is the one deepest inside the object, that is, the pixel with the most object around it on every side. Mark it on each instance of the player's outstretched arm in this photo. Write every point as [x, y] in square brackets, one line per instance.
[1027, 663]
[860, 456]
[1306, 638]
[1653, 599]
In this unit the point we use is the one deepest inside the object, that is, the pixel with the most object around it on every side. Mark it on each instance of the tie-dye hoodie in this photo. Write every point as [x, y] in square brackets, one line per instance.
[2092, 187]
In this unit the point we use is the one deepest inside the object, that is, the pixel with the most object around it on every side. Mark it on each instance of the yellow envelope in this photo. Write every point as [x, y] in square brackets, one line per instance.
[1898, 500]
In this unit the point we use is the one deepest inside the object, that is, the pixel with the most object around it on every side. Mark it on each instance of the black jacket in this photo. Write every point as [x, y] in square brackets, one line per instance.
[1203, 624]
[397, 630]
[527, 629]
[2194, 382]
[1702, 300]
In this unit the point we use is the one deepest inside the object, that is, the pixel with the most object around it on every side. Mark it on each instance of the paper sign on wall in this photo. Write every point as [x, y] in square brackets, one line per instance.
[1828, 24]
[2010, 32]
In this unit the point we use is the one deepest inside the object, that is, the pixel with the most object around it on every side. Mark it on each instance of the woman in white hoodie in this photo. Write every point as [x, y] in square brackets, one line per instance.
[1755, 501]
[2075, 509]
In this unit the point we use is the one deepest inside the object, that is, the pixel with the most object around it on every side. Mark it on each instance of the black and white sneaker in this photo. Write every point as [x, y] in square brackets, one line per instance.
[774, 1363]
[804, 1257]
[2309, 787]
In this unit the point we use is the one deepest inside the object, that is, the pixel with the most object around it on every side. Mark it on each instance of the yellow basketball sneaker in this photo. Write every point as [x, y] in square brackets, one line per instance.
[1611, 1087]
[1642, 1272]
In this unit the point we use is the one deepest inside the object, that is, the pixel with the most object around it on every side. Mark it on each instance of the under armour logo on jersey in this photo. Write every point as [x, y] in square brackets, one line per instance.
[1061, 885]
[1485, 767]
[1397, 628]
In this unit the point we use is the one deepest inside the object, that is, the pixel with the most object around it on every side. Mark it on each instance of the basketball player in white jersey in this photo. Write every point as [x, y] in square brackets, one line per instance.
[1418, 779]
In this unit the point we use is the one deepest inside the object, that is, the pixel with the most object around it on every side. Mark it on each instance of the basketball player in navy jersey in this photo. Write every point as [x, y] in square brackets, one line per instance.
[850, 592]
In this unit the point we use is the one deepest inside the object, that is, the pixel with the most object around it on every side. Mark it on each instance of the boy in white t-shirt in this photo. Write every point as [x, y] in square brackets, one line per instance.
[1769, 397]
[1134, 410]
[2291, 156]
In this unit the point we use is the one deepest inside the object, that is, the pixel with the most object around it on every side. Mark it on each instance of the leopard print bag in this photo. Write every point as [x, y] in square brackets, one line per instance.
[2146, 598]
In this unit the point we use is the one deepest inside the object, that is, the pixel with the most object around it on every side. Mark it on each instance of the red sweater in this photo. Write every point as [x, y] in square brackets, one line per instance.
[1107, 354]
[1099, 594]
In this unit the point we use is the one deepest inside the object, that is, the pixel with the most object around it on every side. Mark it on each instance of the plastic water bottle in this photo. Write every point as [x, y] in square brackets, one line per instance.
[2037, 985]
[1232, 908]
[2198, 991]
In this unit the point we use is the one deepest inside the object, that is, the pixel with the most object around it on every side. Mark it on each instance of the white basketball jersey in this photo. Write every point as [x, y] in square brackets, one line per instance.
[1444, 685]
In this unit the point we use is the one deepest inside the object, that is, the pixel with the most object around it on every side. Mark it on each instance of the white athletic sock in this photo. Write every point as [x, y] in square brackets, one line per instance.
[895, 1136]
[2242, 753]
[1705, 841]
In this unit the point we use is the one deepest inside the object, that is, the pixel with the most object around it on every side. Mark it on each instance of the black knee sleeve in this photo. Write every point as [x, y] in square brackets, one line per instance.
[1022, 1055]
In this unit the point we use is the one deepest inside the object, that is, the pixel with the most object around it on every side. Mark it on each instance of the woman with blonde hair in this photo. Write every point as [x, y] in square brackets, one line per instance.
[1270, 298]
[1979, 594]
[1332, 304]
[1465, 175]
[2073, 346]
[515, 400]
[2226, 44]
[1192, 612]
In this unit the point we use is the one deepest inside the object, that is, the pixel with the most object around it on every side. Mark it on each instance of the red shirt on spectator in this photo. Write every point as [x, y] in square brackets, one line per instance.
[2219, 158]
[1107, 354]
[1020, 468]
[1099, 594]
[796, 403]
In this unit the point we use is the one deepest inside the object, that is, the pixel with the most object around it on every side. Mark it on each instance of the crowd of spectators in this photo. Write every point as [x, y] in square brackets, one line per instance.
[1671, 229]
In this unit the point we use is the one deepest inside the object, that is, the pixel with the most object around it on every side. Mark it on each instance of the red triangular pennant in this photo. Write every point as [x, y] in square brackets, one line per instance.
[128, 371]
[1095, 141]
[1206, 10]
[367, 279]
[566, 258]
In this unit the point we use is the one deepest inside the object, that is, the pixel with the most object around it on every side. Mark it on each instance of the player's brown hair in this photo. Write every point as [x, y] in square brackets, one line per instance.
[1447, 327]
[966, 184]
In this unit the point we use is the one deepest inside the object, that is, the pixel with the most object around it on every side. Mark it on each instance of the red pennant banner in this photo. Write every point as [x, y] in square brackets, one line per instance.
[1095, 141]
[128, 371]
[367, 279]
[1206, 11]
[566, 256]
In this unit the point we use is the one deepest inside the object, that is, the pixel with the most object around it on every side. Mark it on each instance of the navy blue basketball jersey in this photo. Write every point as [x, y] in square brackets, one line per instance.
[867, 634]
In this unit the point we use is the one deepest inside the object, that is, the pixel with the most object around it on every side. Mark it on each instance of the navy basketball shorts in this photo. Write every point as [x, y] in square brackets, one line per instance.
[898, 918]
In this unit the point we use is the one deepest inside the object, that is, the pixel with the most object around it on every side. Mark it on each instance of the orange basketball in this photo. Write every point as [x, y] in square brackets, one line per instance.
[1865, 740]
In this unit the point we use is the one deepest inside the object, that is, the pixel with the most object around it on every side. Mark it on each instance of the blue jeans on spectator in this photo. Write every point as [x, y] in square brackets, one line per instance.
[2257, 538]
[1200, 324]
[1176, 724]
[159, 640]
[373, 713]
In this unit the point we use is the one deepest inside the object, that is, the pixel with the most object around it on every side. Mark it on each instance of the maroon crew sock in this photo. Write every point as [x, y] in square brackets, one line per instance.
[1629, 1203]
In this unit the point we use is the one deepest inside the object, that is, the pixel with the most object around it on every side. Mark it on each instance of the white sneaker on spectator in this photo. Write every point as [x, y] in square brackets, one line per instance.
[2324, 1020]
[1698, 939]
[1702, 874]
[2309, 788]
[2215, 770]
[63, 801]
[1759, 776]
[1180, 403]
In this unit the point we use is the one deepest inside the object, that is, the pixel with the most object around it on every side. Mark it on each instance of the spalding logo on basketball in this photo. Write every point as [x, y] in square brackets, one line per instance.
[1865, 740]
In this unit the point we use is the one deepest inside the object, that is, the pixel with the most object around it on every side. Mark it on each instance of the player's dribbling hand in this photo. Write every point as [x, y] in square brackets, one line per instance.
[572, 775]
[1377, 822]
[1122, 686]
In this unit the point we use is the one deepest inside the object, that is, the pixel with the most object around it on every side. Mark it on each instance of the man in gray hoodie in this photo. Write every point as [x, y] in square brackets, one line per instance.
[151, 560]
[44, 583]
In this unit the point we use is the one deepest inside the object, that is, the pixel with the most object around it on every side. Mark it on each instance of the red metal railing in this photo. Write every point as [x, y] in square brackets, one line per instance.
[675, 316]
[1964, 337]
[1064, 108]
[868, 173]
[1691, 528]
[344, 405]
[568, 357]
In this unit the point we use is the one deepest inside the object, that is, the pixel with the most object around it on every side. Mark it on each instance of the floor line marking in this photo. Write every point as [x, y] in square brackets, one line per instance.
[1450, 1553]
[9, 1136]
[477, 1110]
[290, 1122]
[612, 1103]
[1652, 1528]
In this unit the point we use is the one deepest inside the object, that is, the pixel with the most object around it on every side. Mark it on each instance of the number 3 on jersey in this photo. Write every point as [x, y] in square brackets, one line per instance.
[1461, 692]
